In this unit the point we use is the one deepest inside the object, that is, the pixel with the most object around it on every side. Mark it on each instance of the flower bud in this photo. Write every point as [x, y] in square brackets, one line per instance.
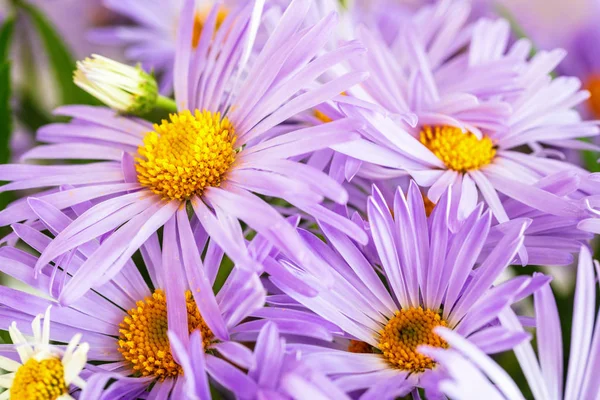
[122, 87]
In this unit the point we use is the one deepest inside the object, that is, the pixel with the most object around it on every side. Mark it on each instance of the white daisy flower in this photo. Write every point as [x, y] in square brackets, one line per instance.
[44, 371]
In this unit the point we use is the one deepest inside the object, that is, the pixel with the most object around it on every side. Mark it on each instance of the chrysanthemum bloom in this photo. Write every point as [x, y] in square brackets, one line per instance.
[125, 320]
[578, 35]
[459, 378]
[550, 240]
[458, 117]
[583, 62]
[152, 40]
[276, 373]
[43, 371]
[212, 156]
[431, 278]
[545, 374]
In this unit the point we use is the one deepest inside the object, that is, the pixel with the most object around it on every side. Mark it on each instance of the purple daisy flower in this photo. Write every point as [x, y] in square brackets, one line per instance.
[579, 35]
[276, 372]
[152, 39]
[457, 117]
[431, 277]
[545, 373]
[213, 156]
[550, 240]
[459, 378]
[584, 63]
[125, 318]
[37, 369]
[385, 16]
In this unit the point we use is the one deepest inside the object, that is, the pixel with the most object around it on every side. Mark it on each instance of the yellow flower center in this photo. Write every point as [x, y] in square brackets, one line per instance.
[187, 154]
[406, 331]
[593, 85]
[458, 150]
[143, 339]
[200, 19]
[39, 380]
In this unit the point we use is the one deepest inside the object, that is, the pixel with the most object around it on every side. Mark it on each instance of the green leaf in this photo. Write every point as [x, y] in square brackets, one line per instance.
[30, 114]
[5, 337]
[6, 33]
[59, 56]
[5, 92]
[5, 112]
[590, 158]
[6, 125]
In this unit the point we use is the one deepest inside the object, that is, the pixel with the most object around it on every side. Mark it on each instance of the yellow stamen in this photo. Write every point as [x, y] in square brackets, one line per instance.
[458, 150]
[429, 205]
[187, 154]
[143, 339]
[356, 346]
[321, 116]
[593, 85]
[407, 330]
[39, 380]
[200, 19]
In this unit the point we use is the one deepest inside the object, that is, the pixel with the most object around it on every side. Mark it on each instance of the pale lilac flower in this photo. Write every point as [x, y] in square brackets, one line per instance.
[550, 240]
[127, 313]
[468, 369]
[152, 39]
[457, 117]
[277, 373]
[37, 369]
[212, 157]
[431, 277]
[467, 373]
[578, 35]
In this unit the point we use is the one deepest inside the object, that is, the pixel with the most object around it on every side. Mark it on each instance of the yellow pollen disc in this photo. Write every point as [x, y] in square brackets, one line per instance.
[458, 150]
[593, 85]
[357, 346]
[143, 340]
[406, 331]
[187, 154]
[200, 19]
[39, 380]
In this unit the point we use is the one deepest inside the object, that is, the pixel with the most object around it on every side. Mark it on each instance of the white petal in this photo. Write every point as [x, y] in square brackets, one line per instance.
[76, 364]
[80, 383]
[7, 380]
[46, 330]
[25, 351]
[36, 327]
[9, 365]
[70, 348]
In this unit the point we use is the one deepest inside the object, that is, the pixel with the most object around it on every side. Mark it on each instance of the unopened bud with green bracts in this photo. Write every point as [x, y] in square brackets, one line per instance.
[122, 87]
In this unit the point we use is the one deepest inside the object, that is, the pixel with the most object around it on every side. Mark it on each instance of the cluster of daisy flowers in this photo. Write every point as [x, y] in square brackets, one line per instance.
[328, 207]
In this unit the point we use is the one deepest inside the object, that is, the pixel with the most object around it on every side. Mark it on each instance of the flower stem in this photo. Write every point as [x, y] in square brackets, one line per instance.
[166, 103]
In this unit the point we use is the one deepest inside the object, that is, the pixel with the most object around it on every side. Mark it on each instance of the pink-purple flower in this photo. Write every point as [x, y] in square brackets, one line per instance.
[465, 366]
[425, 276]
[214, 156]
